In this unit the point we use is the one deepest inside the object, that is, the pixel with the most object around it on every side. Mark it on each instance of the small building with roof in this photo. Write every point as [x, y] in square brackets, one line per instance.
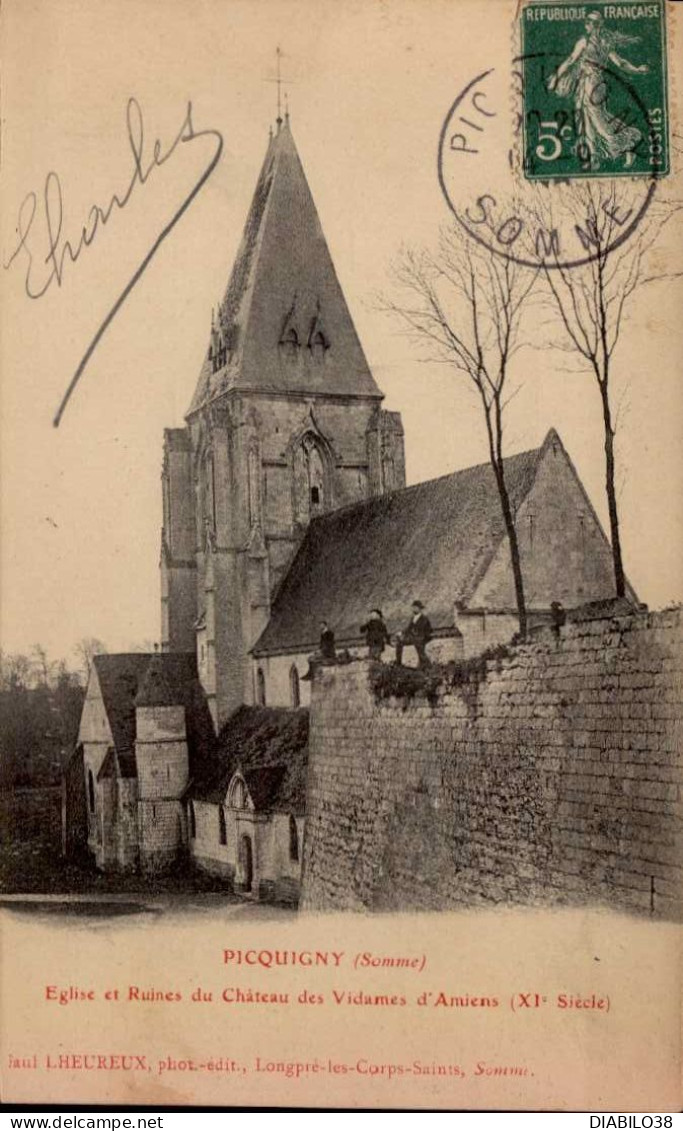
[246, 810]
[145, 730]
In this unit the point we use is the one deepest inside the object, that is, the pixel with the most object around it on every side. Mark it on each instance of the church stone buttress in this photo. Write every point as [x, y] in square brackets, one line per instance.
[285, 424]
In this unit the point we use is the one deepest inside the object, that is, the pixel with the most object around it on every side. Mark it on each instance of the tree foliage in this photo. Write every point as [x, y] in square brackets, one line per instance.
[40, 709]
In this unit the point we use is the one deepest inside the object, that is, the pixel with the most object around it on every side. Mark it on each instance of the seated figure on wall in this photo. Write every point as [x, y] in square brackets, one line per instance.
[376, 634]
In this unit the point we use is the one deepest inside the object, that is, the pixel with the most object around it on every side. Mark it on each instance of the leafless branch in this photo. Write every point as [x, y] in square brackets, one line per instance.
[590, 299]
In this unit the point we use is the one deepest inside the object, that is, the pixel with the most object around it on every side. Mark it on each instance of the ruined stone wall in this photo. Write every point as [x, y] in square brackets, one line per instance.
[555, 777]
[441, 649]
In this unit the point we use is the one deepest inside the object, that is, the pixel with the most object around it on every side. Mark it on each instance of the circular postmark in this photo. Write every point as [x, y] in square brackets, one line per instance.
[496, 184]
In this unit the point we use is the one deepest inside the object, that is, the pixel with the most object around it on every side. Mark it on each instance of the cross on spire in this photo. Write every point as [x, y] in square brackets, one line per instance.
[279, 87]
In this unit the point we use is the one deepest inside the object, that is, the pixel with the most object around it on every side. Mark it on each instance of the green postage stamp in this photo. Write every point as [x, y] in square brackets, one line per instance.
[594, 90]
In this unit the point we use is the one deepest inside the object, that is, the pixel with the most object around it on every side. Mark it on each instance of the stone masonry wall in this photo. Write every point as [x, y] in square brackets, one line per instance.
[554, 778]
[160, 834]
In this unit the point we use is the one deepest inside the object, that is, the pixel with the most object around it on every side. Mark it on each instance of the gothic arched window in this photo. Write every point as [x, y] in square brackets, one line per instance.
[295, 691]
[238, 795]
[254, 485]
[192, 820]
[311, 481]
[222, 831]
[91, 791]
[210, 490]
[316, 478]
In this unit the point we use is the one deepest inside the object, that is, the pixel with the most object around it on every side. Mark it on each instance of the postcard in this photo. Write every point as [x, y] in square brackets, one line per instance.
[342, 645]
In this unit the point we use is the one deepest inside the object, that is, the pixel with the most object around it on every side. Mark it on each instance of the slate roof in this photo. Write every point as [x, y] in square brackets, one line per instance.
[126, 681]
[431, 542]
[163, 680]
[119, 675]
[269, 745]
[264, 785]
[284, 278]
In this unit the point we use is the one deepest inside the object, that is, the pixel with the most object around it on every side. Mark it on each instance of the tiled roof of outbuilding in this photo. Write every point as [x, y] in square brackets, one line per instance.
[118, 764]
[143, 679]
[264, 784]
[119, 675]
[165, 679]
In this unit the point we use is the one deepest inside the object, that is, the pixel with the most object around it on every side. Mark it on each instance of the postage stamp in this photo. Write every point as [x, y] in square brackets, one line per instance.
[594, 90]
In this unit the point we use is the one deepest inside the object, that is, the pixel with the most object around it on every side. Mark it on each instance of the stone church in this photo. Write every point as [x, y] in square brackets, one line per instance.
[285, 504]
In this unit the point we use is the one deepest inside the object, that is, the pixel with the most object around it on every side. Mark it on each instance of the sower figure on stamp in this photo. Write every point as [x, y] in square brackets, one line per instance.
[582, 77]
[376, 634]
[418, 632]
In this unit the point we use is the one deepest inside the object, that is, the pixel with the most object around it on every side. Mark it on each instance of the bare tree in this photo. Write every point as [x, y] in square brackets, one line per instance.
[465, 303]
[591, 297]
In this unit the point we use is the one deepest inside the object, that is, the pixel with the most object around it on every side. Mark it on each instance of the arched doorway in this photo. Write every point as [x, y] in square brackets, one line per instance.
[246, 863]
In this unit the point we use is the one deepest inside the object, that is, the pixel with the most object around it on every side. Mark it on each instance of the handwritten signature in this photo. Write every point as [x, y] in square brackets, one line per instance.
[61, 252]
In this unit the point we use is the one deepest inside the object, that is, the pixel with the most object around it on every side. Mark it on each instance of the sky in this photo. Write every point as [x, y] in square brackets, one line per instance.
[369, 85]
